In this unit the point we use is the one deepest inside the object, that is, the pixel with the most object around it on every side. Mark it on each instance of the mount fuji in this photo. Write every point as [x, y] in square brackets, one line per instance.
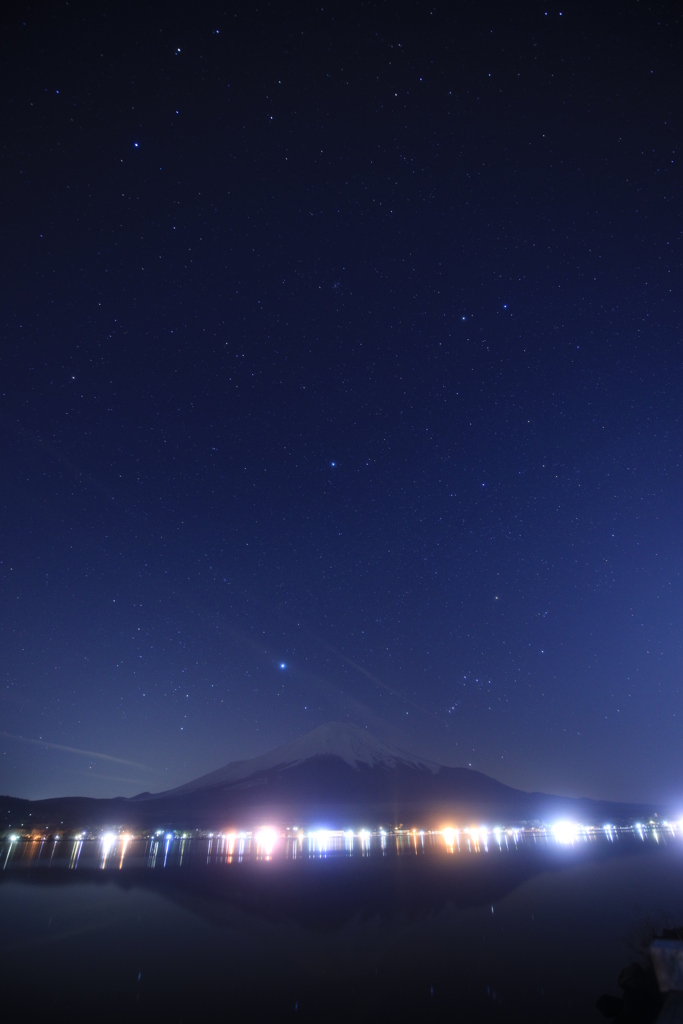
[347, 743]
[337, 776]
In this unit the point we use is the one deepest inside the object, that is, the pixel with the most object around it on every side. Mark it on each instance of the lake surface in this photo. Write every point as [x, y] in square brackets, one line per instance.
[328, 926]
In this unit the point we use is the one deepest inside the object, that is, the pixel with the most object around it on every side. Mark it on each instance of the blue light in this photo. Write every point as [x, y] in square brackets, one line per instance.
[283, 665]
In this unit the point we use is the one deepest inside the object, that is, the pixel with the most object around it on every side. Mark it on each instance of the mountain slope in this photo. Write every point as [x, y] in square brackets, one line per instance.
[350, 744]
[337, 776]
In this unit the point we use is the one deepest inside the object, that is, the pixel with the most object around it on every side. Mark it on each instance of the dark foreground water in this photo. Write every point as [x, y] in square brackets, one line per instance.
[526, 931]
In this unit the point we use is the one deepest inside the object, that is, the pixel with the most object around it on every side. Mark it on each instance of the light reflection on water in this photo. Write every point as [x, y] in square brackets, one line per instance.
[116, 850]
[506, 925]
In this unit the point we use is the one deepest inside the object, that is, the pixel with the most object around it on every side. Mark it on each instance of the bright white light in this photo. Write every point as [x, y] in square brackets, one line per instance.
[266, 840]
[13, 839]
[169, 835]
[108, 840]
[321, 837]
[449, 836]
[565, 832]
[283, 665]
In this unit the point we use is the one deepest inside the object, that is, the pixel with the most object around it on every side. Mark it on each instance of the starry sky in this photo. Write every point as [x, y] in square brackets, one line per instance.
[340, 379]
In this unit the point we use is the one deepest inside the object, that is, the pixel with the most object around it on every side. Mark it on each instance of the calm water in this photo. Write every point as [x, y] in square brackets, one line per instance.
[328, 926]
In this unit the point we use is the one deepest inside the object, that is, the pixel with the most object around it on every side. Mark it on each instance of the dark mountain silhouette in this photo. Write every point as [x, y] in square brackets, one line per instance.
[336, 776]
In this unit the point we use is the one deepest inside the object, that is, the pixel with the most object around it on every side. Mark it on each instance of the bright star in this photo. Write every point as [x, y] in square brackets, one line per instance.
[283, 665]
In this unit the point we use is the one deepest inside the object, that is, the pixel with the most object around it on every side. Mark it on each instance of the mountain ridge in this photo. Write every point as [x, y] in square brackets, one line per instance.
[337, 775]
[336, 739]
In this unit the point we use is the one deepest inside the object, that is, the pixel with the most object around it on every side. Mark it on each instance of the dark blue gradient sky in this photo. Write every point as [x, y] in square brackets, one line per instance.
[341, 379]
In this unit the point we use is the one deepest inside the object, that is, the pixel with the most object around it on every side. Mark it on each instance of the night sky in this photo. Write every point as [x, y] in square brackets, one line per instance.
[341, 379]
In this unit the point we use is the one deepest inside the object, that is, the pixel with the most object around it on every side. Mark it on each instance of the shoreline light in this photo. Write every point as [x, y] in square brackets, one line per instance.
[565, 832]
[449, 835]
[265, 840]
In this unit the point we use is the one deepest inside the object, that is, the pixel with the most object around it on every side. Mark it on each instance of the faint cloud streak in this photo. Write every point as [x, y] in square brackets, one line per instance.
[76, 750]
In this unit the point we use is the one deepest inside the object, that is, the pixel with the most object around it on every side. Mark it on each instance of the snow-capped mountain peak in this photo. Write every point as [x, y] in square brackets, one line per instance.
[337, 739]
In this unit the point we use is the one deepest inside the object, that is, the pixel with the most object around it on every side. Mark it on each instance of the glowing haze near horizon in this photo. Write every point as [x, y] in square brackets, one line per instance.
[340, 380]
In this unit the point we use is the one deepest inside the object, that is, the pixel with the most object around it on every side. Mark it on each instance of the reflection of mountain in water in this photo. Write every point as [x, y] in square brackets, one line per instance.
[349, 939]
[337, 776]
[329, 892]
